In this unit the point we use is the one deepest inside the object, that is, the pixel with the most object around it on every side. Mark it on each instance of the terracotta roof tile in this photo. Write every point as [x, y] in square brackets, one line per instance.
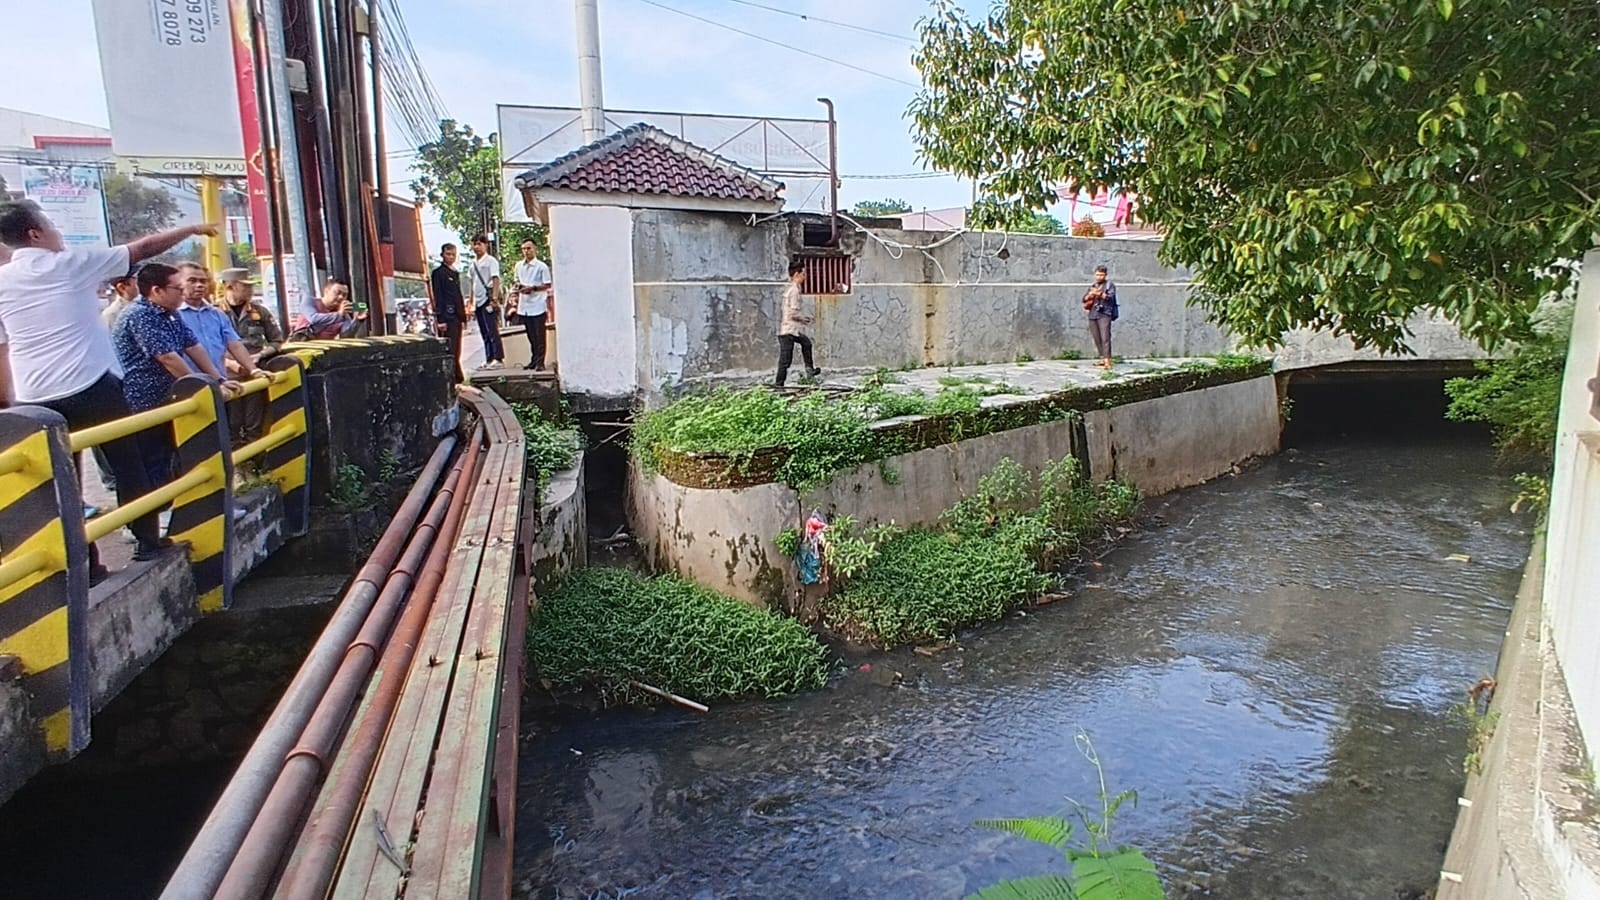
[641, 159]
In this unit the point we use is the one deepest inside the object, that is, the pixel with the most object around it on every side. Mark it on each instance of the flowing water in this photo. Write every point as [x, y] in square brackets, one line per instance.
[1270, 662]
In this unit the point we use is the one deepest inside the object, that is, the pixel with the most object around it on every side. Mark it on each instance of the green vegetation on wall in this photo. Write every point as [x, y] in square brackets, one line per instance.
[551, 447]
[987, 556]
[603, 628]
[727, 438]
[1519, 394]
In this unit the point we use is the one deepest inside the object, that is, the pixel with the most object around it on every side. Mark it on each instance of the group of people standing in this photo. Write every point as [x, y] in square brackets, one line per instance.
[1099, 303]
[61, 349]
[483, 299]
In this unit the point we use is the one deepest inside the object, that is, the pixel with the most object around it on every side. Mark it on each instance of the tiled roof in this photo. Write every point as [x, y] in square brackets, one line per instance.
[642, 159]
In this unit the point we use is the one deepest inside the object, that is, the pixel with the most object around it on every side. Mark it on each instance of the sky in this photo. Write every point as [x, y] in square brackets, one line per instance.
[654, 56]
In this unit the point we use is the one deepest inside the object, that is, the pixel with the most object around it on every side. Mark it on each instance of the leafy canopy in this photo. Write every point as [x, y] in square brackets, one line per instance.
[459, 175]
[1329, 165]
[135, 209]
[888, 207]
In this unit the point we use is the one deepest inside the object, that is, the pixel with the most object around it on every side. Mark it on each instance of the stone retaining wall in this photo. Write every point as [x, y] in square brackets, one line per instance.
[723, 538]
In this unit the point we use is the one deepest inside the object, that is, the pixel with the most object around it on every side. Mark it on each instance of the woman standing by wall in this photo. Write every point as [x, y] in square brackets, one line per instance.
[1100, 302]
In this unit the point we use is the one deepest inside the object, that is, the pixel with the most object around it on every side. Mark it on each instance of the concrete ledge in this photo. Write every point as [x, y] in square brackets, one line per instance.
[1528, 828]
[723, 538]
[23, 743]
[561, 543]
[134, 616]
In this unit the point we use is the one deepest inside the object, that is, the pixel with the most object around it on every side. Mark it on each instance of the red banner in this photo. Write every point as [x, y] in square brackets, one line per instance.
[244, 70]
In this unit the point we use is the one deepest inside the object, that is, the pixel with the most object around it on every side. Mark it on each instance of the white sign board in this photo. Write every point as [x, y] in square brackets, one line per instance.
[794, 151]
[72, 197]
[170, 87]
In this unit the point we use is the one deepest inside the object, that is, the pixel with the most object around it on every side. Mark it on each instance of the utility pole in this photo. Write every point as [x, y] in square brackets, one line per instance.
[589, 92]
[298, 273]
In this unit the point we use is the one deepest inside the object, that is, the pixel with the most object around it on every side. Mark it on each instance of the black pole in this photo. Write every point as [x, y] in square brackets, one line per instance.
[276, 230]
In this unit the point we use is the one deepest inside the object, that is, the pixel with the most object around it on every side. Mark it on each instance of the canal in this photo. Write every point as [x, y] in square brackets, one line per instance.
[1271, 662]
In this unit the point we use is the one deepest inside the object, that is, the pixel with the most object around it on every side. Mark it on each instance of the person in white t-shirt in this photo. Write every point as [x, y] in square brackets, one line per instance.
[533, 301]
[482, 279]
[55, 350]
[124, 292]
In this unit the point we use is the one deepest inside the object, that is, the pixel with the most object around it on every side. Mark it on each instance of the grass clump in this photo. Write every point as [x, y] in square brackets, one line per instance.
[926, 585]
[602, 628]
[550, 446]
[823, 436]
[990, 553]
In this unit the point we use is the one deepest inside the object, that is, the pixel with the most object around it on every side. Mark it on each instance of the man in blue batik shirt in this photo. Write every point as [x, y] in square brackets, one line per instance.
[211, 326]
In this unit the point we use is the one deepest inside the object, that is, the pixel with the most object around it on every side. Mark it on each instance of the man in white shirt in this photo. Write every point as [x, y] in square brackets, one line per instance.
[56, 352]
[533, 302]
[124, 291]
[483, 289]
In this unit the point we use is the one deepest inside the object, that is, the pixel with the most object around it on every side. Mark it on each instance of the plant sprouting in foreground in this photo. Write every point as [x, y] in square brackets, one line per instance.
[1100, 868]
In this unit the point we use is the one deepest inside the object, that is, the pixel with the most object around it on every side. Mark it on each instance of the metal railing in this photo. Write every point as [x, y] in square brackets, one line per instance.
[45, 537]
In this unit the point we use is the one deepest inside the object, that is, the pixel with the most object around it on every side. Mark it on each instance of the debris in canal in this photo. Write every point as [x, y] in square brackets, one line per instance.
[604, 629]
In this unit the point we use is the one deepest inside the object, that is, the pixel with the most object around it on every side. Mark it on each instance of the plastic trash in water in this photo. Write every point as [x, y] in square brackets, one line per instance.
[809, 557]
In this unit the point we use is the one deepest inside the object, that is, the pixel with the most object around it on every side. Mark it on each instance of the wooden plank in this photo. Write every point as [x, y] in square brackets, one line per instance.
[497, 857]
[434, 771]
[451, 835]
[398, 773]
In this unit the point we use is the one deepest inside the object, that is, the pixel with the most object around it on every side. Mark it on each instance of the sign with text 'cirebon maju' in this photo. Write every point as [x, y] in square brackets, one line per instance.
[169, 77]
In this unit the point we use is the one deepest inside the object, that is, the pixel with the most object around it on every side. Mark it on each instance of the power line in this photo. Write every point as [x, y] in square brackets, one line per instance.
[767, 40]
[907, 176]
[899, 38]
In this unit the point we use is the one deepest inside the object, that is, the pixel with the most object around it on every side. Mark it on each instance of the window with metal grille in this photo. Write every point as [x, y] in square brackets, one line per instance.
[827, 274]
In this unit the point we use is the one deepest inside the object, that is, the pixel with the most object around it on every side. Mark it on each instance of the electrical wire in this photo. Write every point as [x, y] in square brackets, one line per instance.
[767, 40]
[899, 38]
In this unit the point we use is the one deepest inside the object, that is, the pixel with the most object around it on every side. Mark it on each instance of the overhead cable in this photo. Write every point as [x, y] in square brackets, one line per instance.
[899, 38]
[767, 40]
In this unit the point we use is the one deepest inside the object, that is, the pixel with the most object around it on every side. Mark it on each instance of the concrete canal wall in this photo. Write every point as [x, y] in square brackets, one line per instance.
[723, 539]
[676, 296]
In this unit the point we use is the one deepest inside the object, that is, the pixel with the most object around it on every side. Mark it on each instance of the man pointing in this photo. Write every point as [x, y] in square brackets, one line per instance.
[54, 350]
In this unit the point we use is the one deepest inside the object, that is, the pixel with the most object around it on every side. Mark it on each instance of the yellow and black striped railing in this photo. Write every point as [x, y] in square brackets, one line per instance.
[44, 537]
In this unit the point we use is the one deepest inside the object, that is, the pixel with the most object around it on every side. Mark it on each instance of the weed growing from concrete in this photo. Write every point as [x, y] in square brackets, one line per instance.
[350, 489]
[550, 446]
[604, 628]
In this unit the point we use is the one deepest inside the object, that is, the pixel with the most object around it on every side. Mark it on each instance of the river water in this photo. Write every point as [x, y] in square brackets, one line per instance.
[1270, 663]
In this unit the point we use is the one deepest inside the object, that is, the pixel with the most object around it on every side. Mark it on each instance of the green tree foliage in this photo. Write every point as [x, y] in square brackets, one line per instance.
[1333, 165]
[459, 175]
[1039, 223]
[1519, 395]
[135, 209]
[887, 208]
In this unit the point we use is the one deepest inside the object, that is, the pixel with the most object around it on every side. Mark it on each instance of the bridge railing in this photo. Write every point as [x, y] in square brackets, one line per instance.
[45, 537]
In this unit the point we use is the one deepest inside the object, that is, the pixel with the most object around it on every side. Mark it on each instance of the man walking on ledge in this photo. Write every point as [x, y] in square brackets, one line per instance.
[791, 319]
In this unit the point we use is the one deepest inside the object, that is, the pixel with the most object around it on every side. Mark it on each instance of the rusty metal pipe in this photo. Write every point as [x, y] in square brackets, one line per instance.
[312, 866]
[207, 860]
[257, 860]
